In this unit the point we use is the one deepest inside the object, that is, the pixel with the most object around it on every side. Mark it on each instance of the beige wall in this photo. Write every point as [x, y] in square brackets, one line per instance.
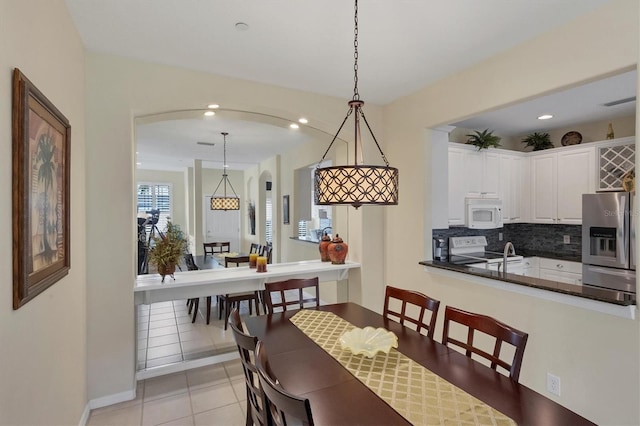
[596, 356]
[118, 90]
[43, 345]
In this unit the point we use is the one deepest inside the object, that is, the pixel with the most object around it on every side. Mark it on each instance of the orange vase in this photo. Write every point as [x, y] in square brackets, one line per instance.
[338, 250]
[324, 248]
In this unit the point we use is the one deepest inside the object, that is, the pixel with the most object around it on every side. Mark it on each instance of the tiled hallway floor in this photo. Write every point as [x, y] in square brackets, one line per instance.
[211, 395]
[166, 334]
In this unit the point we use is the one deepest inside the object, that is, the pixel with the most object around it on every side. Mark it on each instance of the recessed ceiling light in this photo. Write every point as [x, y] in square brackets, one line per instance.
[209, 113]
[241, 26]
[545, 117]
[139, 164]
[213, 106]
[294, 126]
[303, 120]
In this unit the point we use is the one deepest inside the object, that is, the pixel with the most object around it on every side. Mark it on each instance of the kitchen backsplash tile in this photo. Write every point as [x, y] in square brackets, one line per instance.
[526, 237]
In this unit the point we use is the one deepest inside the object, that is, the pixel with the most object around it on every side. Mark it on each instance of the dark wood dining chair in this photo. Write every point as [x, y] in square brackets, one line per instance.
[247, 348]
[255, 248]
[194, 303]
[282, 407]
[226, 302]
[283, 288]
[422, 302]
[491, 326]
[216, 247]
[267, 251]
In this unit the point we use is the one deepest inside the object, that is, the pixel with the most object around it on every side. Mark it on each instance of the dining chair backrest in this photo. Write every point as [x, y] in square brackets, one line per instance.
[247, 349]
[421, 302]
[492, 327]
[267, 250]
[283, 408]
[255, 248]
[191, 264]
[286, 289]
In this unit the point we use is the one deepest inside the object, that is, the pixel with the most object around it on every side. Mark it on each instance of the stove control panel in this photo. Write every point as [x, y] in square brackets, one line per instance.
[468, 242]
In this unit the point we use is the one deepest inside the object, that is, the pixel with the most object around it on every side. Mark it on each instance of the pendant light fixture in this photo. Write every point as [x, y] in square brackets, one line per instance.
[225, 202]
[356, 184]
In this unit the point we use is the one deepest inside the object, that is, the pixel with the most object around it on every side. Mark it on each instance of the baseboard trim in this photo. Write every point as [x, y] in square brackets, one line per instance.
[85, 415]
[185, 365]
[112, 399]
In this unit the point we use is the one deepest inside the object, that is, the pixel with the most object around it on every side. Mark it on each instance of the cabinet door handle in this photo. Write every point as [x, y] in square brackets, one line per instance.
[559, 266]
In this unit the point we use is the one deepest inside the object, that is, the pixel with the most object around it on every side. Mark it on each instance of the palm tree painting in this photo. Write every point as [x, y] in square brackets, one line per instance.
[45, 188]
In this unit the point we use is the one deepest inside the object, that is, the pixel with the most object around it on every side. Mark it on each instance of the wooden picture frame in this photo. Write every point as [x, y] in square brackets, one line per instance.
[41, 190]
[285, 209]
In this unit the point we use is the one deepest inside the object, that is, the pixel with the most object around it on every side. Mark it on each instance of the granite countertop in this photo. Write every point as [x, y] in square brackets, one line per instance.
[601, 295]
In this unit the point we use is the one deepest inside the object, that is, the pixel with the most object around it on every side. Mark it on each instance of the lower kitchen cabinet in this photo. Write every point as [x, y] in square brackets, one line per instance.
[561, 270]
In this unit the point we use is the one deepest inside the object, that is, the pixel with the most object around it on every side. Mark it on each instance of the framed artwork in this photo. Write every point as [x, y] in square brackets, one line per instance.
[41, 184]
[285, 209]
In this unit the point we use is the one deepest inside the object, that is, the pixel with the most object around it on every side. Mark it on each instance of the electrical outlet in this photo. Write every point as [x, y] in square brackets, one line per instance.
[567, 239]
[500, 236]
[553, 384]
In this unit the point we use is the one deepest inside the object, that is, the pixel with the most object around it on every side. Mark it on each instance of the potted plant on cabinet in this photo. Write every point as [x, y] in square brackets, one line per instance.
[484, 139]
[167, 250]
[538, 141]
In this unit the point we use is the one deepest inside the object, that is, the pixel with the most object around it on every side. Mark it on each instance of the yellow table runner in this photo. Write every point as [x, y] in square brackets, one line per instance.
[419, 395]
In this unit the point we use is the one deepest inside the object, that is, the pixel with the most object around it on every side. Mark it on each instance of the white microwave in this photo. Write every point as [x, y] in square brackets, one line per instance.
[483, 213]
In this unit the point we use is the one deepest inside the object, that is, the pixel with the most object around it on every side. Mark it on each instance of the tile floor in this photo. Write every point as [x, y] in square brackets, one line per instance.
[166, 334]
[211, 395]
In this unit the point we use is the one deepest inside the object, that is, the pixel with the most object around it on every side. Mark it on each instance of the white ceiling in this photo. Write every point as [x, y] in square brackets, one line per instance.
[404, 45]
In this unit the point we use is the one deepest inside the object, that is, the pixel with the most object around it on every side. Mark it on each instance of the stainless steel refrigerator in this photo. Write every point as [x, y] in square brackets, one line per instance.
[608, 241]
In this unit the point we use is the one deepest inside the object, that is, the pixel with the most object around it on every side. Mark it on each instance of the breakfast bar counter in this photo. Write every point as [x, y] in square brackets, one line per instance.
[602, 300]
[205, 282]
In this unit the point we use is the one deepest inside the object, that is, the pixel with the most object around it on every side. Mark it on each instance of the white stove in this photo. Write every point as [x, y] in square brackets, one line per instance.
[469, 250]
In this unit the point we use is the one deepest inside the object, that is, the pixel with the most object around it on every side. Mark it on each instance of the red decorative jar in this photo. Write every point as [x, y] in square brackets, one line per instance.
[324, 248]
[338, 250]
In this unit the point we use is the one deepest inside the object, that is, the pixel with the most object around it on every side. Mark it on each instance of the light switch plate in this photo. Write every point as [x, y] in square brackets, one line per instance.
[567, 239]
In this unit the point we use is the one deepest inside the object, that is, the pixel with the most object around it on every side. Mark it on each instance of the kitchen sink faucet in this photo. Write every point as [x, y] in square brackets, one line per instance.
[509, 249]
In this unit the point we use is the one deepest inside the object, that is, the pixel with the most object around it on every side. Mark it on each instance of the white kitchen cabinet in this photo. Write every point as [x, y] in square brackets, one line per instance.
[576, 176]
[544, 188]
[558, 181]
[561, 270]
[531, 267]
[495, 170]
[513, 189]
[465, 175]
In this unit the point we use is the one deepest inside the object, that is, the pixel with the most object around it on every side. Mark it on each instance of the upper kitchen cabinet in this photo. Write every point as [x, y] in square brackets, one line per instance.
[465, 175]
[495, 170]
[558, 180]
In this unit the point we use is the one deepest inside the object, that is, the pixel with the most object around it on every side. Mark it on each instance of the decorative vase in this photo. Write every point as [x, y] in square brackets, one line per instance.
[610, 134]
[324, 248]
[165, 270]
[337, 250]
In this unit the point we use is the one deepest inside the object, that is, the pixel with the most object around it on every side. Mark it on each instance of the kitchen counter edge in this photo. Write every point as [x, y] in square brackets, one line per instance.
[600, 295]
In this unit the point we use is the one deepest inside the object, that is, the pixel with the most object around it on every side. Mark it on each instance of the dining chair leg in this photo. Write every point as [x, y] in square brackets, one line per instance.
[208, 309]
[248, 409]
[195, 309]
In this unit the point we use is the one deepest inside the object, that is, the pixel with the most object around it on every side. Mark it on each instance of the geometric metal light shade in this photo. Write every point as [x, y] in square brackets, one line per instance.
[224, 202]
[356, 184]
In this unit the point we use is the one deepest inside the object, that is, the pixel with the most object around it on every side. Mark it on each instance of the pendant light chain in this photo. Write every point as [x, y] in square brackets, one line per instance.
[356, 95]
[356, 184]
[224, 202]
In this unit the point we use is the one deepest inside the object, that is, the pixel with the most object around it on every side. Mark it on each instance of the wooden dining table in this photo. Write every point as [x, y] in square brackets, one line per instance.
[337, 397]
